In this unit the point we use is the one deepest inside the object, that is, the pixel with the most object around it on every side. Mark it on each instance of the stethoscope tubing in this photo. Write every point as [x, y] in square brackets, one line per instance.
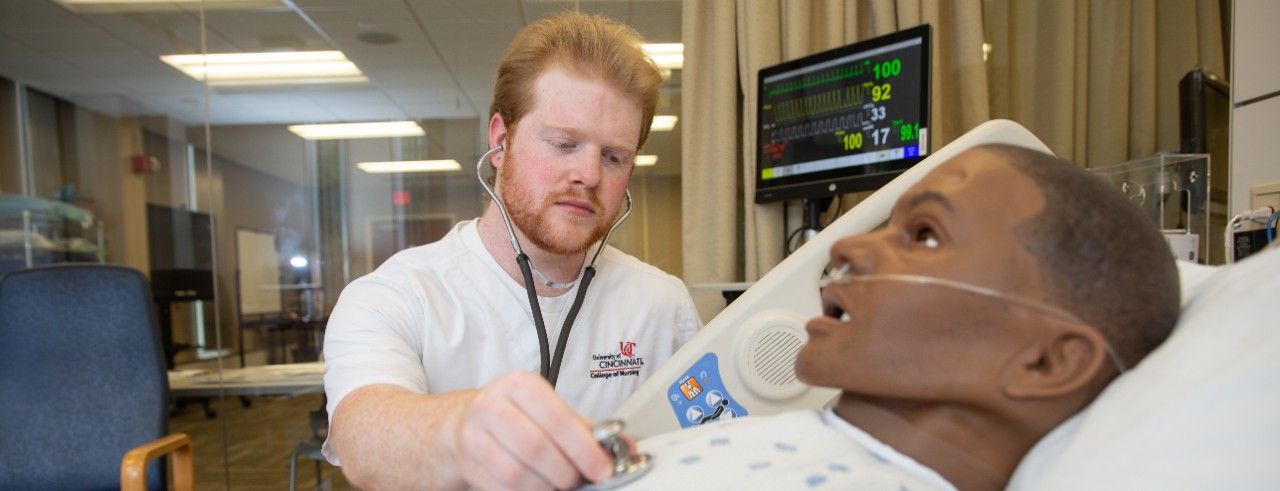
[549, 368]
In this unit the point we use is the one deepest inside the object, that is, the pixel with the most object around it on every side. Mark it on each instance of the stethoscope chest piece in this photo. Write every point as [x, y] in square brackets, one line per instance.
[627, 466]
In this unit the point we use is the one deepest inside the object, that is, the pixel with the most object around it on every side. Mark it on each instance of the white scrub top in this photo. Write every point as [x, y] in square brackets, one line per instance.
[444, 316]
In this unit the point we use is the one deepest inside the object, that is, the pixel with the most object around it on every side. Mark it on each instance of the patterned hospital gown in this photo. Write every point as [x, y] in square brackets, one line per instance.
[799, 450]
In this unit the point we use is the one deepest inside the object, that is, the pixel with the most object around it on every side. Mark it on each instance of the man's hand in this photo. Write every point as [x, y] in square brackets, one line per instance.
[517, 434]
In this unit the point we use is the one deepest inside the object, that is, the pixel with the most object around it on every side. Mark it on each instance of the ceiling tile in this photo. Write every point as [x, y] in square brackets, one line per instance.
[442, 67]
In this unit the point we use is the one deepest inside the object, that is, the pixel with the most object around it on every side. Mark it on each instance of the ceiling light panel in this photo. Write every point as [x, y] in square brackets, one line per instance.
[122, 6]
[296, 67]
[646, 160]
[337, 131]
[668, 56]
[663, 123]
[410, 166]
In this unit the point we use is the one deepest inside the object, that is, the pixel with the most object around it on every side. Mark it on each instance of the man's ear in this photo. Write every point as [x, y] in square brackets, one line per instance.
[497, 136]
[1065, 361]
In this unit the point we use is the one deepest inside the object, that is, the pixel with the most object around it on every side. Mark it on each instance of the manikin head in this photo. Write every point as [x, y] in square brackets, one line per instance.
[1026, 225]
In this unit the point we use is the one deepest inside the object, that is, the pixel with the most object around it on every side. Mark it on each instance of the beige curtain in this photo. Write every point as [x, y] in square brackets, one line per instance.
[1096, 80]
[711, 107]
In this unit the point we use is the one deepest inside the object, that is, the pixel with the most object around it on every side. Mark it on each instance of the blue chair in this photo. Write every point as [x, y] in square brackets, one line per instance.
[84, 391]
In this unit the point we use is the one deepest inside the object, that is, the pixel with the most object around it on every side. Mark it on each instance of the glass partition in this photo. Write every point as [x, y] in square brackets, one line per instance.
[247, 229]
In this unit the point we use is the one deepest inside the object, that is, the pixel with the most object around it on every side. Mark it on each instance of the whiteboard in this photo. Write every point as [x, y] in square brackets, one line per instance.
[258, 265]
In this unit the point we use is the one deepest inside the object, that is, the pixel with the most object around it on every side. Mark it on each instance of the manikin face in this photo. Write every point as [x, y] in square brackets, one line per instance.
[564, 172]
[904, 341]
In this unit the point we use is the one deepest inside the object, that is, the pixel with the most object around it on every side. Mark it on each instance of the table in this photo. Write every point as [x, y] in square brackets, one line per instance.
[274, 329]
[263, 380]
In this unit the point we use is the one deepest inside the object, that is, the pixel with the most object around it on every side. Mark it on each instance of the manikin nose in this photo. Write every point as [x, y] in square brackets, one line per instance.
[854, 256]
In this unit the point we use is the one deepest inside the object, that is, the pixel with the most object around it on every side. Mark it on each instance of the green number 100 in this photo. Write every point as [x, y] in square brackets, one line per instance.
[853, 141]
[887, 68]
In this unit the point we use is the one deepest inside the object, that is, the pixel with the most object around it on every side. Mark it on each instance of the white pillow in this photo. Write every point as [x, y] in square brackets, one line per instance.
[1200, 412]
[1192, 278]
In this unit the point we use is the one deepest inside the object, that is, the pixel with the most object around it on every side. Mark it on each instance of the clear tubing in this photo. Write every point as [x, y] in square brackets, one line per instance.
[841, 276]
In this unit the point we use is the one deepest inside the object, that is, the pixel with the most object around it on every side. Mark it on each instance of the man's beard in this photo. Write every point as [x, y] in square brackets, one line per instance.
[532, 218]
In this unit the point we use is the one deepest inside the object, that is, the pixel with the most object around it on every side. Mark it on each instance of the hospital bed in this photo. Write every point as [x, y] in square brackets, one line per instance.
[1202, 411]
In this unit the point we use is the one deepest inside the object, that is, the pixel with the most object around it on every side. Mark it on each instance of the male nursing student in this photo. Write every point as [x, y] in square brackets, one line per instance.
[1006, 291]
[432, 360]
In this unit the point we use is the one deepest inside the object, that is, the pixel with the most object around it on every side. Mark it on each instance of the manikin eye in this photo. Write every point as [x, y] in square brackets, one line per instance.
[926, 237]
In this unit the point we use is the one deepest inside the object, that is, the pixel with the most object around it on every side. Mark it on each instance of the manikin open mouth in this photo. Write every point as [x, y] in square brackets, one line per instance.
[834, 276]
[832, 309]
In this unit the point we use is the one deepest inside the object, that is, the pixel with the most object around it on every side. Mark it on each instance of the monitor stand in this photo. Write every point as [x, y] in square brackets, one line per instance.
[812, 209]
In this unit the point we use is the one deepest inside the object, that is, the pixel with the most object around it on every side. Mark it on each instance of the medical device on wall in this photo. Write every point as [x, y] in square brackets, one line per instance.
[1174, 191]
[743, 361]
[843, 120]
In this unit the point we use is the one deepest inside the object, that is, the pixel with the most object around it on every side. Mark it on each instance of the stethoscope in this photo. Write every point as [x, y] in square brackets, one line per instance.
[550, 369]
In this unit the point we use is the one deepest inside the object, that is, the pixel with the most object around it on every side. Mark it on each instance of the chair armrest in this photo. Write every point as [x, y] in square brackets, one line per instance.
[133, 469]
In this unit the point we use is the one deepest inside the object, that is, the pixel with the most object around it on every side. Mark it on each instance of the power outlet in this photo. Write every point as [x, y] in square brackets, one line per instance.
[1265, 195]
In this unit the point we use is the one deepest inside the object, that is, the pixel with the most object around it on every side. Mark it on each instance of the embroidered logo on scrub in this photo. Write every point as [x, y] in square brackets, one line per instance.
[624, 363]
[699, 396]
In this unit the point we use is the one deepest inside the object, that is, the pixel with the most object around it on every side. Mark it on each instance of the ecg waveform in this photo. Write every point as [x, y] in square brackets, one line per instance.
[842, 99]
[819, 79]
[817, 127]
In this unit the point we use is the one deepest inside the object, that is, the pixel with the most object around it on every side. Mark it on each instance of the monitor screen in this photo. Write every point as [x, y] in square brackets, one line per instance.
[845, 120]
[180, 247]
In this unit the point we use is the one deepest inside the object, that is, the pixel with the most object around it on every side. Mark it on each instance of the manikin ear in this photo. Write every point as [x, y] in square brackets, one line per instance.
[1065, 361]
[497, 136]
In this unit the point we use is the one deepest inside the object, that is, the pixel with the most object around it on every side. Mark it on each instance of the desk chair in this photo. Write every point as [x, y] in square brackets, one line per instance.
[83, 388]
[311, 448]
